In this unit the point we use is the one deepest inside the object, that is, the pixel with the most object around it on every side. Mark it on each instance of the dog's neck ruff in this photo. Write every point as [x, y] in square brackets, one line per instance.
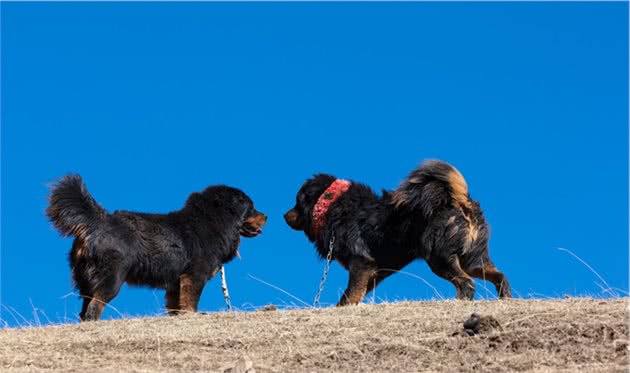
[330, 195]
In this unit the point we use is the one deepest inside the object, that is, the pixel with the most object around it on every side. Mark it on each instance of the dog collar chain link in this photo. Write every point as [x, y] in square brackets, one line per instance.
[331, 246]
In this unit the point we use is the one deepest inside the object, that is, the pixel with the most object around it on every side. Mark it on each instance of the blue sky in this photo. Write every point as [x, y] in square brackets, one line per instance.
[149, 102]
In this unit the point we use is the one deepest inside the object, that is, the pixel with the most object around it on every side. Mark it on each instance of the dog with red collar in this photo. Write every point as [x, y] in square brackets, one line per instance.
[431, 216]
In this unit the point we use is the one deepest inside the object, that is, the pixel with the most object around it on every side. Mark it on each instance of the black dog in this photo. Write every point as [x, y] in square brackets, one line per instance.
[179, 251]
[430, 216]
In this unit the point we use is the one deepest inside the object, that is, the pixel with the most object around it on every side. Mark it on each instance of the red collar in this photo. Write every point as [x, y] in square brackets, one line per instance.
[330, 195]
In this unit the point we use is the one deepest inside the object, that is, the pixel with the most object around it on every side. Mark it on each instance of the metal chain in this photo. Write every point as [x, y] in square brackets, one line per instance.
[326, 268]
[224, 287]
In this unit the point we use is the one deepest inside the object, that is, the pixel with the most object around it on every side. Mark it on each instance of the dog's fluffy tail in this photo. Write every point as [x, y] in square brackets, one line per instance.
[72, 209]
[431, 187]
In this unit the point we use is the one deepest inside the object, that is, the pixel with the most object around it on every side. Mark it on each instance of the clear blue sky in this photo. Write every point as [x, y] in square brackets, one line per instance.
[150, 102]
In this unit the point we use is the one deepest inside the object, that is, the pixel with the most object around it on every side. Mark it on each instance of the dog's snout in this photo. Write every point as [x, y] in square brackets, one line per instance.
[293, 219]
[289, 215]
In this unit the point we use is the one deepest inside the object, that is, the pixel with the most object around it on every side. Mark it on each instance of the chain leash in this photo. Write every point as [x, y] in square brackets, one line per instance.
[224, 287]
[326, 268]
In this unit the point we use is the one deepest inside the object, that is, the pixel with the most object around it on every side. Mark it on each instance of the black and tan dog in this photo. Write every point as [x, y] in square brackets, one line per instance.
[430, 216]
[179, 251]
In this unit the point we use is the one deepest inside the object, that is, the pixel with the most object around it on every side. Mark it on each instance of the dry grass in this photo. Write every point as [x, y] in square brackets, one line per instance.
[568, 335]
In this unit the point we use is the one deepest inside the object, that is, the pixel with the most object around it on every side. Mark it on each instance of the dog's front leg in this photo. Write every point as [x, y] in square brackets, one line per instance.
[361, 271]
[190, 289]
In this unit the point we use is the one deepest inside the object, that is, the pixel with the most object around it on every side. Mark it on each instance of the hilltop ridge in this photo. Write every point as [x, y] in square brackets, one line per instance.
[526, 335]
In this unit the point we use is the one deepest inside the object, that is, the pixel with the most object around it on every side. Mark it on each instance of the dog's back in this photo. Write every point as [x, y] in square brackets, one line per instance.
[152, 245]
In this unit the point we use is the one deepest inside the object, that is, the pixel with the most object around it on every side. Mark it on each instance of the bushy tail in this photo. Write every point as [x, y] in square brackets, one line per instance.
[72, 209]
[431, 187]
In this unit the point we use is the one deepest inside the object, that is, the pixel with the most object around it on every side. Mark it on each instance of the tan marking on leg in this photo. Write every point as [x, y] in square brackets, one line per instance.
[189, 293]
[463, 283]
[94, 309]
[186, 294]
[464, 286]
[451, 270]
[358, 282]
[490, 273]
[372, 283]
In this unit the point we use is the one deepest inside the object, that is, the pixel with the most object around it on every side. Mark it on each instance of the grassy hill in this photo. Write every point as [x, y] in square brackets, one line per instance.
[568, 335]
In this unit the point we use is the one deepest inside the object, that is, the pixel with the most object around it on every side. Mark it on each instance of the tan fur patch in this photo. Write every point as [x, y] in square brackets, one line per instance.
[80, 231]
[257, 221]
[473, 233]
[459, 193]
[414, 180]
[459, 189]
[399, 198]
[291, 216]
[97, 304]
[360, 276]
[186, 293]
[79, 247]
[214, 272]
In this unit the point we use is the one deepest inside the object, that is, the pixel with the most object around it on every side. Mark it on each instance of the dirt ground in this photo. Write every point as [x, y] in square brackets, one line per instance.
[568, 335]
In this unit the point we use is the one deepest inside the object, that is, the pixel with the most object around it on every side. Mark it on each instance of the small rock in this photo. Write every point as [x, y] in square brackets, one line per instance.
[620, 345]
[472, 323]
[243, 365]
[477, 324]
[269, 307]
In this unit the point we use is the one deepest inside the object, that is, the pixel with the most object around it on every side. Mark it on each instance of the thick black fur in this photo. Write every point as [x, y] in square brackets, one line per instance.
[431, 217]
[179, 251]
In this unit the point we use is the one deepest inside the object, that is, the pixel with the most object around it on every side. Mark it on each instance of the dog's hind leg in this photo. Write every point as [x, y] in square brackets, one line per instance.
[86, 302]
[172, 300]
[477, 263]
[94, 309]
[490, 273]
[85, 292]
[104, 293]
[79, 266]
[361, 272]
[450, 269]
[442, 242]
